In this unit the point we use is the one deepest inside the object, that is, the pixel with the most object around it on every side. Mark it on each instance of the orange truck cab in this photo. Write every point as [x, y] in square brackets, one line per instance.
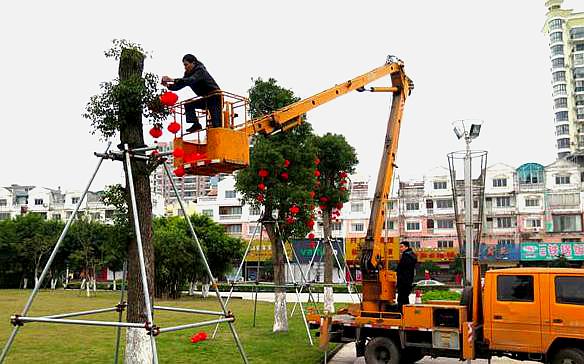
[523, 313]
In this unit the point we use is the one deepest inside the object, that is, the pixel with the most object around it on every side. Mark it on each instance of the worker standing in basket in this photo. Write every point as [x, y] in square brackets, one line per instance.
[203, 85]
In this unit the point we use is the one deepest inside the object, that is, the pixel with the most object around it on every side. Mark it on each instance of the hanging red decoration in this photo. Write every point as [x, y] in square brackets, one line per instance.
[168, 98]
[262, 186]
[290, 220]
[156, 131]
[311, 236]
[154, 153]
[310, 224]
[179, 172]
[284, 176]
[339, 205]
[312, 245]
[263, 173]
[322, 207]
[174, 127]
[324, 199]
[286, 163]
[294, 209]
[260, 198]
[343, 174]
[178, 152]
[312, 193]
[342, 188]
[317, 161]
[343, 181]
[317, 173]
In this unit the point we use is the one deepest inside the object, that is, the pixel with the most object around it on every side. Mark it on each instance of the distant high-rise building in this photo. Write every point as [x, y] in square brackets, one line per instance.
[189, 187]
[566, 40]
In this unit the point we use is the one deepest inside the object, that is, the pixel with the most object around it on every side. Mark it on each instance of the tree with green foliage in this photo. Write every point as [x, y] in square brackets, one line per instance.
[11, 267]
[337, 159]
[279, 178]
[119, 108]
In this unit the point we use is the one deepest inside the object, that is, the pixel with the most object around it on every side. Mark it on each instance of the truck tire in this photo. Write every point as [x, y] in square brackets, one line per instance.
[381, 350]
[568, 356]
[411, 355]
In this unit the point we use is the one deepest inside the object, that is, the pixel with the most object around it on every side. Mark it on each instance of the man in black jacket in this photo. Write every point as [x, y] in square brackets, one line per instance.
[405, 273]
[202, 84]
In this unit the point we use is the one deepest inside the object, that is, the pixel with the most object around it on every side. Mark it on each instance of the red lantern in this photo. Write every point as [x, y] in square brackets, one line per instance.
[311, 236]
[343, 174]
[324, 199]
[260, 198]
[178, 152]
[294, 209]
[312, 245]
[322, 207]
[317, 161]
[343, 181]
[310, 224]
[263, 173]
[286, 163]
[156, 131]
[312, 193]
[174, 127]
[179, 172]
[154, 153]
[168, 98]
[339, 205]
[284, 176]
[317, 173]
[290, 220]
[262, 186]
[342, 188]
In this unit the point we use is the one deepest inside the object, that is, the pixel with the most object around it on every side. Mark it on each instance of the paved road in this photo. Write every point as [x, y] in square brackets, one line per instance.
[347, 356]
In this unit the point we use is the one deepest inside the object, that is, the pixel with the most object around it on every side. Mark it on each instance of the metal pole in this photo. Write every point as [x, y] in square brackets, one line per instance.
[50, 261]
[255, 303]
[308, 275]
[468, 225]
[140, 252]
[198, 324]
[119, 329]
[339, 264]
[207, 268]
[81, 313]
[188, 310]
[81, 322]
[304, 280]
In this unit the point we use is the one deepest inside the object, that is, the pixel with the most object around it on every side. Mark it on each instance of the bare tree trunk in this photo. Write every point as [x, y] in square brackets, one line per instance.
[138, 348]
[329, 301]
[278, 262]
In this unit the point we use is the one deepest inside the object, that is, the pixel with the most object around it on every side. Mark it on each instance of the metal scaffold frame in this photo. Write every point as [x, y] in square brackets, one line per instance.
[152, 330]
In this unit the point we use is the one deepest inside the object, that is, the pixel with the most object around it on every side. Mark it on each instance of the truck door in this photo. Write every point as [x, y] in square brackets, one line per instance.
[566, 307]
[516, 313]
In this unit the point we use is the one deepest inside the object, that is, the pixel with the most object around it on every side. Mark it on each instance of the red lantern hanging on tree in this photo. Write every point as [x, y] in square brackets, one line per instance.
[286, 163]
[312, 193]
[168, 98]
[317, 161]
[156, 131]
[310, 224]
[316, 173]
[178, 152]
[261, 186]
[311, 236]
[284, 176]
[174, 127]
[263, 173]
[260, 198]
[179, 172]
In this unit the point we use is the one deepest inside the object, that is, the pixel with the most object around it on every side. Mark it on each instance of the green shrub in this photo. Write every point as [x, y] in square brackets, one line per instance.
[440, 295]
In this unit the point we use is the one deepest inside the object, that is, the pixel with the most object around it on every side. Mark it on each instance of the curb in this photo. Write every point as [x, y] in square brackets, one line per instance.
[331, 353]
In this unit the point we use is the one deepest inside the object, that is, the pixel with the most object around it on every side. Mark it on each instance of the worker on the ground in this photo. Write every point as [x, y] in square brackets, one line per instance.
[203, 85]
[405, 273]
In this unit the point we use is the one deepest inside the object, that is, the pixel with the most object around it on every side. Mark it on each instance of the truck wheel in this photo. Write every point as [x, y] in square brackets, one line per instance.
[569, 356]
[381, 350]
[410, 355]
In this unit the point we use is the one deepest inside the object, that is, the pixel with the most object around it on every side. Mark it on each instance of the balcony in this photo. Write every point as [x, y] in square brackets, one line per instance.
[230, 217]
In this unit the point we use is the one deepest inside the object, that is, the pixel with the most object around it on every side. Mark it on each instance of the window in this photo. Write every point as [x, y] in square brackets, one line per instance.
[38, 201]
[429, 204]
[577, 32]
[430, 224]
[74, 200]
[562, 180]
[233, 229]
[254, 210]
[4, 215]
[336, 226]
[566, 223]
[95, 216]
[561, 103]
[3, 202]
[578, 59]
[531, 202]
[357, 207]
[439, 185]
[556, 37]
[579, 86]
[504, 201]
[579, 72]
[559, 89]
[504, 222]
[564, 143]
[413, 226]
[579, 47]
[558, 63]
[358, 227]
[579, 99]
[229, 210]
[570, 290]
[562, 130]
[515, 288]
[533, 223]
[559, 76]
[411, 206]
[254, 229]
[230, 194]
[415, 244]
[499, 182]
[444, 224]
[109, 214]
[557, 50]
[445, 244]
[444, 204]
[207, 212]
[563, 200]
[555, 24]
[563, 115]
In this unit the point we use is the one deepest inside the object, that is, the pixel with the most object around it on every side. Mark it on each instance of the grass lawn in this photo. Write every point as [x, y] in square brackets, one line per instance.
[58, 343]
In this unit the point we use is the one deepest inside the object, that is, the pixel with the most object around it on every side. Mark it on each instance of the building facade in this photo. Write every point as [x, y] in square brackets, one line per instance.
[565, 29]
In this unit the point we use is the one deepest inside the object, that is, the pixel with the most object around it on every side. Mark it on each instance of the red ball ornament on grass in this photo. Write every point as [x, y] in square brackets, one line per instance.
[178, 152]
[263, 173]
[156, 131]
[179, 172]
[168, 98]
[174, 127]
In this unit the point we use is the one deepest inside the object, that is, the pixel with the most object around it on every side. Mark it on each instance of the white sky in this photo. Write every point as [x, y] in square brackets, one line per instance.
[469, 59]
